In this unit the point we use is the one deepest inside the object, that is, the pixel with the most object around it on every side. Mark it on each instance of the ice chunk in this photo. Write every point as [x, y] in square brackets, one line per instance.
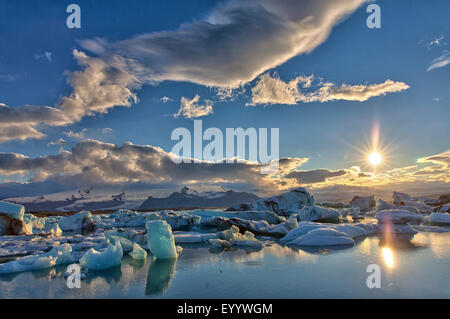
[398, 216]
[160, 239]
[127, 245]
[138, 252]
[235, 238]
[264, 215]
[219, 243]
[12, 210]
[287, 203]
[438, 219]
[382, 205]
[193, 238]
[111, 257]
[57, 256]
[399, 198]
[54, 230]
[323, 237]
[81, 221]
[363, 203]
[319, 214]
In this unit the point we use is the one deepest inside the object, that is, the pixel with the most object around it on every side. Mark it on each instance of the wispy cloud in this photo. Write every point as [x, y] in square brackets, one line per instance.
[46, 55]
[272, 90]
[440, 61]
[191, 109]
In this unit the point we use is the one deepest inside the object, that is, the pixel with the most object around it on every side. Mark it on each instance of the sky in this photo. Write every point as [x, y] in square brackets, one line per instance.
[96, 105]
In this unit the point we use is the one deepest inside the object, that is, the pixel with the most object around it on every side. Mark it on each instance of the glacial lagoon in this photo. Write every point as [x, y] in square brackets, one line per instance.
[410, 268]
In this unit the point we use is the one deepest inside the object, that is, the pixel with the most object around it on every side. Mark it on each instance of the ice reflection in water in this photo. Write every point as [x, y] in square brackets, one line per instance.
[276, 271]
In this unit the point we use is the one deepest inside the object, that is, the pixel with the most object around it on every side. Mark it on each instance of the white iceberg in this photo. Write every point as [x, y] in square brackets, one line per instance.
[12, 210]
[235, 238]
[263, 215]
[81, 221]
[193, 238]
[95, 260]
[398, 216]
[363, 203]
[323, 237]
[319, 214]
[57, 256]
[161, 241]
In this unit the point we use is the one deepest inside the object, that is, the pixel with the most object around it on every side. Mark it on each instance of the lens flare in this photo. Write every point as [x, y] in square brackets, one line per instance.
[388, 256]
[374, 158]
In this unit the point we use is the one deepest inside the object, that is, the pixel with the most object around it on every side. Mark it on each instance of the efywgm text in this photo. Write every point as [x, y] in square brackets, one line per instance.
[235, 139]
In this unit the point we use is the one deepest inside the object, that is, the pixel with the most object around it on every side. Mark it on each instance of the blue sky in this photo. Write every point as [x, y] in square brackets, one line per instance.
[413, 121]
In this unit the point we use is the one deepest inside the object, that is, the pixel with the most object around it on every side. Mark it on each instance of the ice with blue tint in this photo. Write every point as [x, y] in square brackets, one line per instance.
[110, 257]
[75, 222]
[161, 241]
[138, 252]
[127, 245]
[323, 237]
[12, 210]
[57, 256]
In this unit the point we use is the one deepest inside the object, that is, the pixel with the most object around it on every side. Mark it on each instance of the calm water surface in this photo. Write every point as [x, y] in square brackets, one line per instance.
[417, 268]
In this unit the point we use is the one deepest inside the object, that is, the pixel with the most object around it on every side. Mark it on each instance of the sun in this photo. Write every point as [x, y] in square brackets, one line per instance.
[374, 158]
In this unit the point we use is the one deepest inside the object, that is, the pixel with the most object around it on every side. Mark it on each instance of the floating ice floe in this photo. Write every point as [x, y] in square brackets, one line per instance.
[138, 252]
[383, 205]
[127, 245]
[57, 256]
[264, 215]
[398, 216]
[81, 222]
[95, 260]
[352, 231]
[319, 214]
[161, 241]
[11, 220]
[284, 204]
[406, 200]
[438, 219]
[192, 237]
[235, 238]
[323, 237]
[365, 204]
[130, 234]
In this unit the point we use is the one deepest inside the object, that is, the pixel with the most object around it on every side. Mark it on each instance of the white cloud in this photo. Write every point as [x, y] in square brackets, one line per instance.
[165, 99]
[46, 55]
[272, 90]
[237, 41]
[440, 62]
[191, 109]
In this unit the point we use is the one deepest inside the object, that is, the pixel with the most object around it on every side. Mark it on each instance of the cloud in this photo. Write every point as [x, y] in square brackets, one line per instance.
[441, 159]
[272, 90]
[96, 89]
[235, 43]
[92, 162]
[60, 142]
[314, 176]
[46, 55]
[191, 109]
[440, 62]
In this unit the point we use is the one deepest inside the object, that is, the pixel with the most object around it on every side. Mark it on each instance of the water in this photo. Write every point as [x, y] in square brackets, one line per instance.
[417, 268]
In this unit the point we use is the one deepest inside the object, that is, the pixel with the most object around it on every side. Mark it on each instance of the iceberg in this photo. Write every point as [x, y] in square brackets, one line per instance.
[57, 256]
[438, 219]
[127, 245]
[138, 252]
[110, 257]
[284, 204]
[235, 238]
[323, 237]
[12, 210]
[161, 241]
[319, 214]
[398, 216]
[193, 238]
[264, 215]
[82, 222]
[363, 203]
